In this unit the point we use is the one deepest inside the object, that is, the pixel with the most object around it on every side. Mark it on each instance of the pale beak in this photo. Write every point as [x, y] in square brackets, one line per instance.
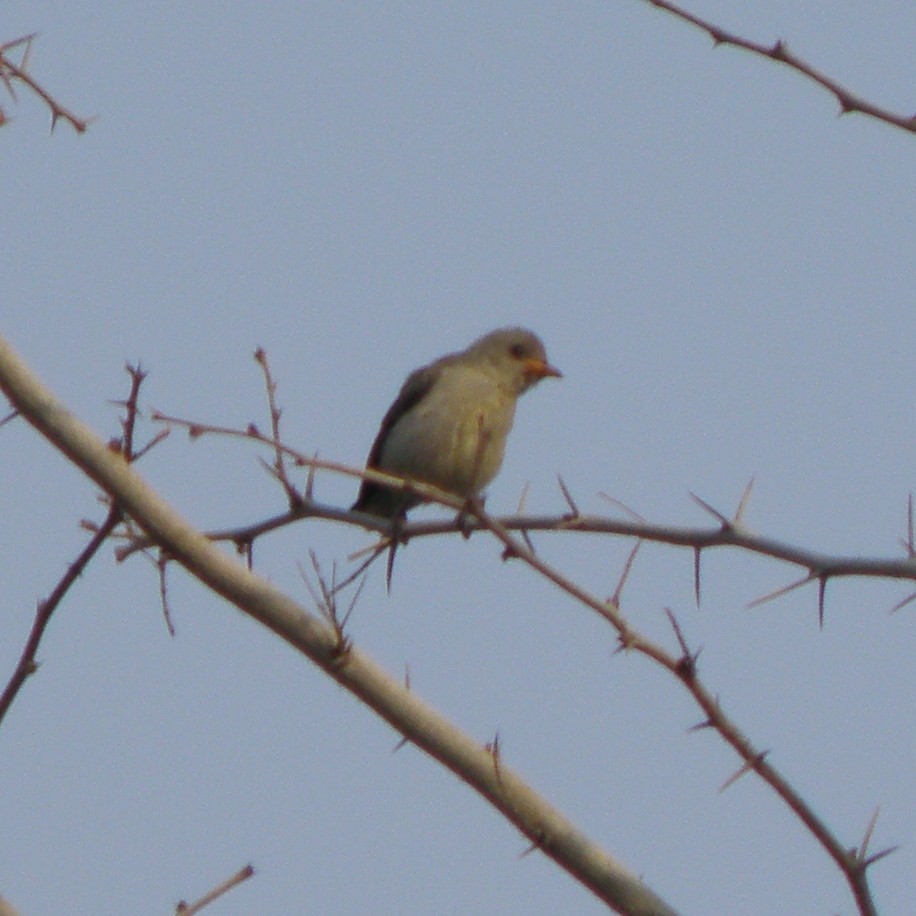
[538, 369]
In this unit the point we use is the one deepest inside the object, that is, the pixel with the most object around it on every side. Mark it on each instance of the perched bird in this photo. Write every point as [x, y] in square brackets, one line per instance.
[449, 423]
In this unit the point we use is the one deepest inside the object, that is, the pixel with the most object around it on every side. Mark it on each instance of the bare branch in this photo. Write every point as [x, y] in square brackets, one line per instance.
[27, 664]
[279, 464]
[315, 638]
[848, 101]
[11, 72]
[242, 875]
[752, 759]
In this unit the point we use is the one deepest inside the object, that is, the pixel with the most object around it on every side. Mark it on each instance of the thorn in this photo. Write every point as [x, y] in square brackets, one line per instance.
[745, 768]
[867, 863]
[530, 848]
[624, 575]
[522, 500]
[389, 569]
[310, 480]
[742, 504]
[715, 513]
[621, 505]
[574, 509]
[900, 605]
[687, 663]
[869, 831]
[911, 549]
[700, 726]
[821, 588]
[781, 591]
[399, 745]
[696, 574]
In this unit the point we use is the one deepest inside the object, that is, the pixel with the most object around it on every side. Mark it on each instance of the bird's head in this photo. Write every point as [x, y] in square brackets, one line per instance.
[517, 355]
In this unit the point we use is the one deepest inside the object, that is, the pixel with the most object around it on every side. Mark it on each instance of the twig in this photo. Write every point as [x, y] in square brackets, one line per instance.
[683, 667]
[189, 909]
[27, 664]
[279, 464]
[10, 71]
[848, 101]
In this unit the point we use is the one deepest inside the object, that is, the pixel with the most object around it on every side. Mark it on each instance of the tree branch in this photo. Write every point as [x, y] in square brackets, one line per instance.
[10, 72]
[848, 101]
[544, 825]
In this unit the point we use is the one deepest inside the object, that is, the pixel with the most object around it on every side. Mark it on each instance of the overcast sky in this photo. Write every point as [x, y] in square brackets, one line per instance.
[723, 269]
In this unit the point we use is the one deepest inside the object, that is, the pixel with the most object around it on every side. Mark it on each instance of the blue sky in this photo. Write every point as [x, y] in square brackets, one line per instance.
[722, 267]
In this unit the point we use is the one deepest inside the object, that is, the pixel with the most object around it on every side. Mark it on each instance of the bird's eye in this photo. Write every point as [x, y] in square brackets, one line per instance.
[517, 350]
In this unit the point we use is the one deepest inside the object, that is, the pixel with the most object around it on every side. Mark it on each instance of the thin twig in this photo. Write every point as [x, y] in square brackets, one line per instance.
[189, 909]
[10, 71]
[27, 664]
[848, 101]
[751, 757]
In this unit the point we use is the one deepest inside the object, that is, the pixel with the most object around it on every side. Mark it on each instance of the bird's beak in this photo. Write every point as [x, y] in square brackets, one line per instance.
[538, 369]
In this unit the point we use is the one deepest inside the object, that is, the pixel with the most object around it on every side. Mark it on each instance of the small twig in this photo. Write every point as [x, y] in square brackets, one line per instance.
[189, 909]
[848, 101]
[279, 465]
[10, 71]
[625, 573]
[27, 664]
[161, 564]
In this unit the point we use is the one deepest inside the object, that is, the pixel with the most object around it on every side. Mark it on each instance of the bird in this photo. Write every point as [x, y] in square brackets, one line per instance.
[449, 423]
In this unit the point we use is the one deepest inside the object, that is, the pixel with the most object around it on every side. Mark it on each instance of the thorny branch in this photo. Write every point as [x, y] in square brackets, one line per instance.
[727, 533]
[533, 815]
[684, 668]
[27, 664]
[683, 665]
[11, 73]
[848, 101]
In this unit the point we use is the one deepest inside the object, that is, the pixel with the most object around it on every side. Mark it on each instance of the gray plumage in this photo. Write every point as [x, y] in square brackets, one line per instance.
[449, 423]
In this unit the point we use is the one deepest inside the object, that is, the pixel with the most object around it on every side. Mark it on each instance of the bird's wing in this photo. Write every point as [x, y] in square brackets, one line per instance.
[415, 388]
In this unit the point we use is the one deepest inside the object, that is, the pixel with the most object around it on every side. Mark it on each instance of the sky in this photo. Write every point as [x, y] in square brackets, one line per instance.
[722, 267]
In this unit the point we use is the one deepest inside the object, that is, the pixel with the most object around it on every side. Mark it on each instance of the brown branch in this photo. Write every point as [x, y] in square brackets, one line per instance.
[10, 72]
[848, 101]
[387, 696]
[727, 534]
[27, 664]
[683, 667]
[279, 464]
[189, 909]
[125, 446]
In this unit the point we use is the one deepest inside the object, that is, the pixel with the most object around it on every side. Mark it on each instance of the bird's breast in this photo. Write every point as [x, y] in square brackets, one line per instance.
[455, 437]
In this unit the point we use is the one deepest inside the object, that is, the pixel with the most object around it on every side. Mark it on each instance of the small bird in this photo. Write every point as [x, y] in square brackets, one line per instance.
[449, 422]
